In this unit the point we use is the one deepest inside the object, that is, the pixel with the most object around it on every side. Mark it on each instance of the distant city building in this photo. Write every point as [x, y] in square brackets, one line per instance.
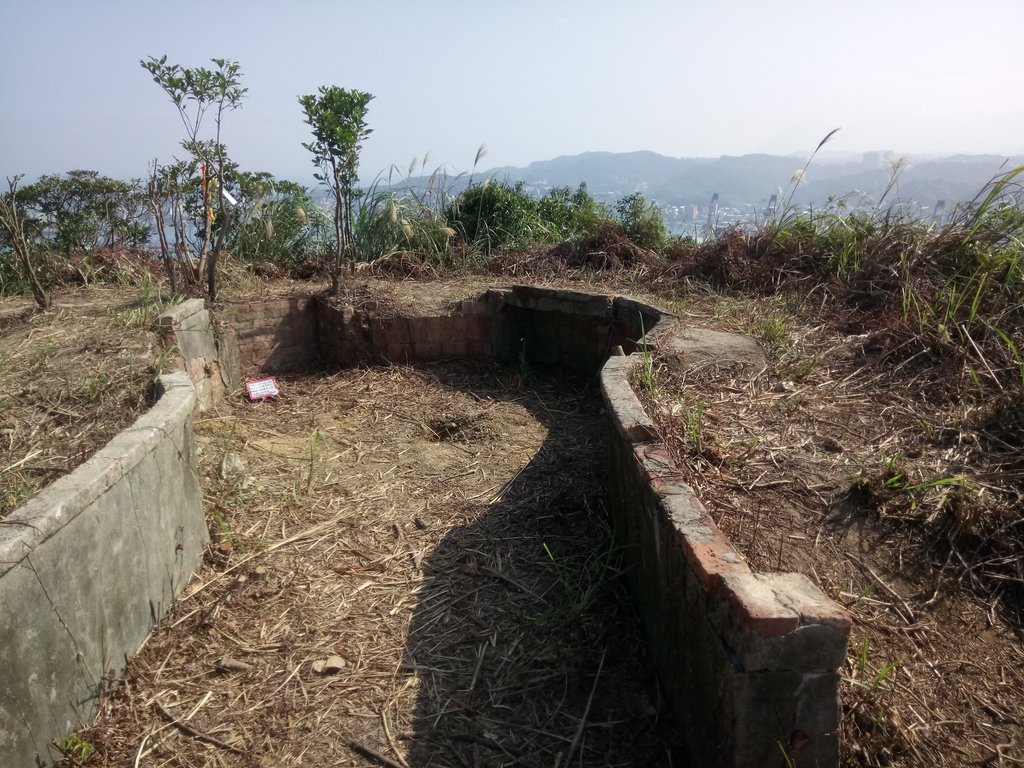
[873, 159]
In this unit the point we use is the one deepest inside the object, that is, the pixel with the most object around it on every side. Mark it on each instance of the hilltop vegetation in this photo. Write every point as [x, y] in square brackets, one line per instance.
[916, 327]
[946, 297]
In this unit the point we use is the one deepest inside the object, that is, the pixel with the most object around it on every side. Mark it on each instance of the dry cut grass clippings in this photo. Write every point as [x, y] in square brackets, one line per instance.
[407, 567]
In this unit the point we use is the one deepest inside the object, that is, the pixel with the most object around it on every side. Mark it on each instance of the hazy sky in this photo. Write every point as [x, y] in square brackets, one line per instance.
[532, 79]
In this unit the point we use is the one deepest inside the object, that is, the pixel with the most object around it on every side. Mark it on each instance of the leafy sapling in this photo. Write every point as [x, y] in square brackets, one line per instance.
[337, 118]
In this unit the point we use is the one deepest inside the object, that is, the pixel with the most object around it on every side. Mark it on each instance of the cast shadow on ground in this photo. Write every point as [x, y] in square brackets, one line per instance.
[523, 641]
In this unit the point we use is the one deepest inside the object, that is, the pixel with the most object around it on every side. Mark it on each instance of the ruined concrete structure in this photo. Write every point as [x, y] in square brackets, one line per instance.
[749, 660]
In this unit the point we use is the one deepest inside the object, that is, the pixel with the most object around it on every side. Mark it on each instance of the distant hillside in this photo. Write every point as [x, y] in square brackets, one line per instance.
[683, 187]
[751, 179]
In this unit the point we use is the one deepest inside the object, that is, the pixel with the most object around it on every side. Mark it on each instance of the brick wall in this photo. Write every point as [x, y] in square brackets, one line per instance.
[277, 335]
[546, 328]
[748, 660]
[349, 336]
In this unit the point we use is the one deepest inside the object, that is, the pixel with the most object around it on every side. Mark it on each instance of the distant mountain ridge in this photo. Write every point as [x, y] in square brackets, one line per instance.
[751, 179]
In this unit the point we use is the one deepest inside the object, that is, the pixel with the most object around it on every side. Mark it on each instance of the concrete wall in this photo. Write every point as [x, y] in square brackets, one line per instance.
[208, 353]
[749, 660]
[88, 566]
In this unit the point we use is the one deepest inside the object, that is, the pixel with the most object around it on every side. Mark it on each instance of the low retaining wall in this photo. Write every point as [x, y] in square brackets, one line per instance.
[748, 660]
[88, 566]
[540, 327]
[208, 354]
[91, 563]
[351, 336]
[274, 336]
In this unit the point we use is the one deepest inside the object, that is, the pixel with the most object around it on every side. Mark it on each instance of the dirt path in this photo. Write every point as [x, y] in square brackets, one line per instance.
[411, 567]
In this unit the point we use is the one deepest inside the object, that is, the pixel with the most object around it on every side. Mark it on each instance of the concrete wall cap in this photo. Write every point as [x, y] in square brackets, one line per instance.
[180, 312]
[60, 502]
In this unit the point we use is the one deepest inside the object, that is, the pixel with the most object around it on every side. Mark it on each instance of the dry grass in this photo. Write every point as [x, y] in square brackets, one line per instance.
[876, 481]
[852, 457]
[411, 567]
[70, 379]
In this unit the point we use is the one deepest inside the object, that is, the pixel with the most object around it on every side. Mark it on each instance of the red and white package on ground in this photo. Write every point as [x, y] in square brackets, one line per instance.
[261, 389]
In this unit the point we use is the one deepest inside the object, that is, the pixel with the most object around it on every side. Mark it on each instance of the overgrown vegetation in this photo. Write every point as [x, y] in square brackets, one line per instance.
[927, 319]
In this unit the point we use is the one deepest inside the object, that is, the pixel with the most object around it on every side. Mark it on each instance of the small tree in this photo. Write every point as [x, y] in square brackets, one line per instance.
[12, 221]
[337, 118]
[194, 92]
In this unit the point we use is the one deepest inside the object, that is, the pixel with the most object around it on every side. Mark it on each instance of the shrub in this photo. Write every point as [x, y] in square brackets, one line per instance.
[641, 221]
[495, 215]
[571, 215]
[274, 222]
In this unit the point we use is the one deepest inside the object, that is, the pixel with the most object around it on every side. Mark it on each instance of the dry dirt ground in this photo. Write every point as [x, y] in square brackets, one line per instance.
[897, 498]
[410, 566]
[70, 379]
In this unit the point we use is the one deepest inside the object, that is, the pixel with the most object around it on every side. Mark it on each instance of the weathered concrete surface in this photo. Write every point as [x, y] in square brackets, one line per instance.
[210, 358]
[86, 569]
[697, 345]
[748, 660]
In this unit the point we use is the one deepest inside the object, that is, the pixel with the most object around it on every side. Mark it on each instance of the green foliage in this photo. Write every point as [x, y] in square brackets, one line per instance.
[12, 280]
[799, 177]
[495, 215]
[487, 216]
[76, 748]
[15, 247]
[641, 222]
[194, 92]
[272, 221]
[82, 210]
[570, 214]
[389, 221]
[337, 118]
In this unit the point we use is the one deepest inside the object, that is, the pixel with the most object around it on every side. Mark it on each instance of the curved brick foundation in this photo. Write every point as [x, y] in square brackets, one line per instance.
[749, 660]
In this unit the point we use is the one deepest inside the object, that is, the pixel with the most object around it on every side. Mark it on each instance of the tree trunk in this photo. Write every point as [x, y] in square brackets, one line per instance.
[339, 241]
[156, 207]
[15, 228]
